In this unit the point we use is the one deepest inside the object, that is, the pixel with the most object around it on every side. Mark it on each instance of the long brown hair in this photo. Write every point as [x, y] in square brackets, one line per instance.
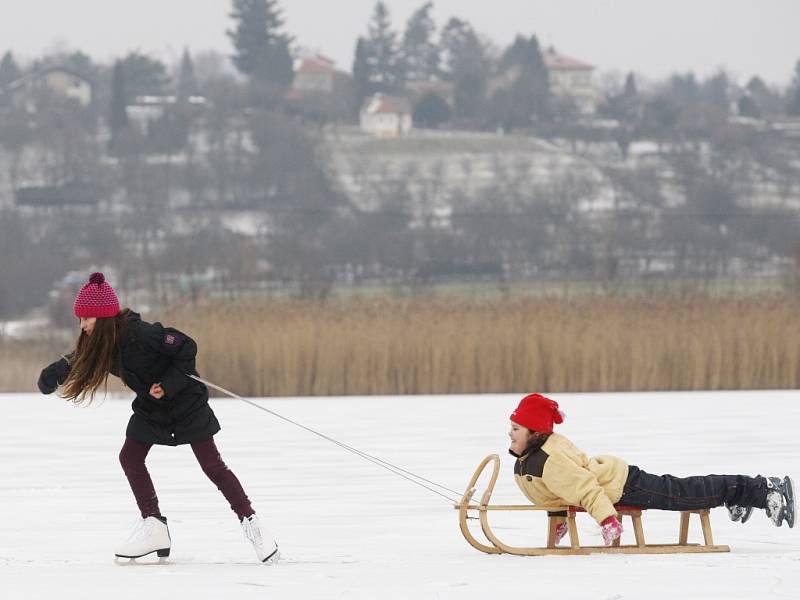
[94, 357]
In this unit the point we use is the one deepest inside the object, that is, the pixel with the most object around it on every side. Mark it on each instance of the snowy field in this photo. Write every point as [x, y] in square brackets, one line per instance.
[348, 529]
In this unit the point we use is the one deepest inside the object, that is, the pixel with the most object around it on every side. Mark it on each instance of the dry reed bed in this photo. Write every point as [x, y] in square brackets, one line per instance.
[438, 347]
[21, 363]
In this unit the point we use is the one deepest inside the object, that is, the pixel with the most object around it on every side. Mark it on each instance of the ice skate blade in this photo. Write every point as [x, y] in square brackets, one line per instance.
[272, 558]
[124, 561]
[162, 554]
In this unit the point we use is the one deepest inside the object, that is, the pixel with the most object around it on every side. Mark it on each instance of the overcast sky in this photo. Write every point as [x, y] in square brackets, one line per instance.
[651, 37]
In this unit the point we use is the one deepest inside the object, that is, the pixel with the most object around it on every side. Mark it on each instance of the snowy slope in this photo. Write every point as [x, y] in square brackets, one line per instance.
[348, 529]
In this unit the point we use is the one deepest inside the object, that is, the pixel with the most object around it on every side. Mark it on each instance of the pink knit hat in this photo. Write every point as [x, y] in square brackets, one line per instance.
[96, 299]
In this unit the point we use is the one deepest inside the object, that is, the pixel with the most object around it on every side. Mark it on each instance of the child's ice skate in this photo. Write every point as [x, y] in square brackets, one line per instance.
[780, 501]
[149, 535]
[263, 542]
[739, 513]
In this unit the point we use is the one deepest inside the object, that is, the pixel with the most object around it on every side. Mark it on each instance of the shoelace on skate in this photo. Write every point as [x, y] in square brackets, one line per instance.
[141, 528]
[252, 532]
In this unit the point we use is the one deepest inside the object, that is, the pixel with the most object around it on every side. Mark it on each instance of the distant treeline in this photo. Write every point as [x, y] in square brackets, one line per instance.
[231, 183]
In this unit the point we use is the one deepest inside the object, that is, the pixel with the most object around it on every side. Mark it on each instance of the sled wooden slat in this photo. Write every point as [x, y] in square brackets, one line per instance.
[561, 514]
[513, 507]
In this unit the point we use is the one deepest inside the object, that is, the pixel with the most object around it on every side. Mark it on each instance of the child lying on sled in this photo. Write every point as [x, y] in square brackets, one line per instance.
[552, 470]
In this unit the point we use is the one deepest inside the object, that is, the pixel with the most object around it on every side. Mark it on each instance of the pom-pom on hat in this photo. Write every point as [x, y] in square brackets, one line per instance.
[96, 299]
[537, 413]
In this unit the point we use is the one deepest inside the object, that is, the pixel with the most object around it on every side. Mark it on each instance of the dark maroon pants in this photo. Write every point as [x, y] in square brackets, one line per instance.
[132, 457]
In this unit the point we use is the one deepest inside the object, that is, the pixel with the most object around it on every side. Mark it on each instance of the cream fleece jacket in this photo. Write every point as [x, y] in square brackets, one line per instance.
[558, 473]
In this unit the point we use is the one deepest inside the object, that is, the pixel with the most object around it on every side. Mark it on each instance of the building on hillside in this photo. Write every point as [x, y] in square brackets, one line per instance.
[571, 79]
[314, 74]
[143, 111]
[320, 91]
[386, 116]
[568, 79]
[60, 81]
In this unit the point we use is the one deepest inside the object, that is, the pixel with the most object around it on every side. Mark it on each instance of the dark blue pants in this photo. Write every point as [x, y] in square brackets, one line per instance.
[667, 492]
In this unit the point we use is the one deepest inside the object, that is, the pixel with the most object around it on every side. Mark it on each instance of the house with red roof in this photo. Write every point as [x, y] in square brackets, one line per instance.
[319, 90]
[386, 116]
[314, 75]
[570, 78]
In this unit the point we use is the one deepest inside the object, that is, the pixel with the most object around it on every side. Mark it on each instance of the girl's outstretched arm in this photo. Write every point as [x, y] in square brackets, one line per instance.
[54, 375]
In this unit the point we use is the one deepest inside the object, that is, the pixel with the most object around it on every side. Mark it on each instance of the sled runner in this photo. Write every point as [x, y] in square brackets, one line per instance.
[559, 514]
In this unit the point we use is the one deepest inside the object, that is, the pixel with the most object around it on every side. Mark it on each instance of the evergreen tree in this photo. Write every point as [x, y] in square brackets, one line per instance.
[466, 66]
[462, 51]
[757, 87]
[361, 70]
[468, 95]
[80, 63]
[143, 76]
[262, 49]
[383, 59]
[767, 102]
[685, 89]
[519, 53]
[187, 82]
[431, 111]
[119, 99]
[9, 71]
[420, 52]
[715, 91]
[530, 93]
[661, 116]
[793, 107]
[748, 107]
[630, 90]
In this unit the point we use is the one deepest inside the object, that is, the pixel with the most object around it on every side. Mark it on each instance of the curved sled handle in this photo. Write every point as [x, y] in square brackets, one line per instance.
[465, 499]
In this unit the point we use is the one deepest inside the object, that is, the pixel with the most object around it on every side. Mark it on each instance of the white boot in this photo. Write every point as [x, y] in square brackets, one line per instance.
[148, 535]
[263, 542]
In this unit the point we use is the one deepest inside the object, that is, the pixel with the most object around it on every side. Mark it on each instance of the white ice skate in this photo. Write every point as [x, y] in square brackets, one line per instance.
[739, 513]
[149, 535]
[780, 501]
[263, 542]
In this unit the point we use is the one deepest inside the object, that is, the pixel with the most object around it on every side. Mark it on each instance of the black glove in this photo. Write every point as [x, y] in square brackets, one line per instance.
[52, 376]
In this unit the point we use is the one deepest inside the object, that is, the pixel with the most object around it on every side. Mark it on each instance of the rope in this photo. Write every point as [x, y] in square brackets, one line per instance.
[373, 459]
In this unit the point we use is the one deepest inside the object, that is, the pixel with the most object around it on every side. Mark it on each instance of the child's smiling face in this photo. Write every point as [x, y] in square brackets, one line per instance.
[520, 438]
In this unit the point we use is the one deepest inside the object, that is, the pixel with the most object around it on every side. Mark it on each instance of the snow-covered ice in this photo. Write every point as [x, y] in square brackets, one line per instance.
[348, 529]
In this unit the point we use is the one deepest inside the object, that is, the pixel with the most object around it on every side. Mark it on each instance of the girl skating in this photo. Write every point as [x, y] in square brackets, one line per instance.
[169, 409]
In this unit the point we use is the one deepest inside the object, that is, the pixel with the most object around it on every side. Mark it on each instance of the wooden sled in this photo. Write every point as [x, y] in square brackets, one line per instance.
[559, 514]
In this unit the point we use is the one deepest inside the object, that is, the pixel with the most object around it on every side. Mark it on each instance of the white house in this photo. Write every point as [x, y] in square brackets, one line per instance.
[570, 78]
[386, 116]
[314, 74]
[58, 80]
[145, 110]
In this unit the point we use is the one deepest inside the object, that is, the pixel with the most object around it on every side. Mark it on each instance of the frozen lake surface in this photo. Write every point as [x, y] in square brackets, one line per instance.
[348, 529]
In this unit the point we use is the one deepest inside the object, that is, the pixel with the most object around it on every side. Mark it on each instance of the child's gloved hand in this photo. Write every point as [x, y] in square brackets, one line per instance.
[52, 376]
[561, 531]
[611, 529]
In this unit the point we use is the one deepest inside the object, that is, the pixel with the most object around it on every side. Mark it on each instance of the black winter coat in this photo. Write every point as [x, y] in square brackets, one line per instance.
[152, 353]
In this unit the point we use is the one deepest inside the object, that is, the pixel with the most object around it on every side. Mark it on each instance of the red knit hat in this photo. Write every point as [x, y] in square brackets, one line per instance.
[96, 299]
[537, 413]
